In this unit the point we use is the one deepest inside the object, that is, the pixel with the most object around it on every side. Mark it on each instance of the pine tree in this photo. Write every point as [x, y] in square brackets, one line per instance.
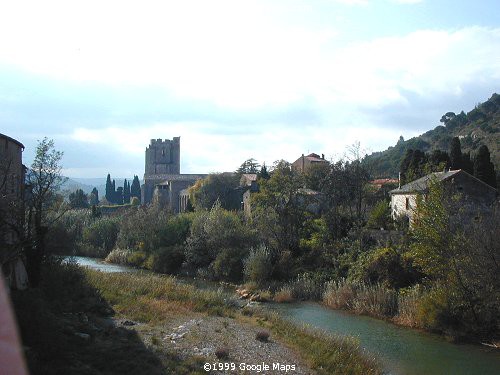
[455, 154]
[483, 167]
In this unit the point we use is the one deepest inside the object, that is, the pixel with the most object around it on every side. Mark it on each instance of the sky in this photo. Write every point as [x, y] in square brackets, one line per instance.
[263, 79]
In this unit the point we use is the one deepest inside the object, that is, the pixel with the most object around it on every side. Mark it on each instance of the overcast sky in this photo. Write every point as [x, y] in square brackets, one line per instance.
[236, 79]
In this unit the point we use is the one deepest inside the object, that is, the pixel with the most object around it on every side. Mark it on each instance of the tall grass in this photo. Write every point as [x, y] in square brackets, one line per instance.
[149, 298]
[325, 353]
[361, 298]
[408, 305]
[303, 288]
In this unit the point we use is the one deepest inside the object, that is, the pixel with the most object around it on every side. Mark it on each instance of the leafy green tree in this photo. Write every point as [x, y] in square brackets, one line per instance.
[216, 187]
[280, 208]
[460, 259]
[94, 197]
[484, 168]
[316, 176]
[248, 166]
[78, 199]
[44, 180]
[380, 216]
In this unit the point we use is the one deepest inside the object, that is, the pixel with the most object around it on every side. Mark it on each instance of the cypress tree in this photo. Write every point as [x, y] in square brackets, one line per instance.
[114, 198]
[119, 195]
[483, 167]
[126, 192]
[109, 189]
[135, 189]
[455, 154]
[467, 164]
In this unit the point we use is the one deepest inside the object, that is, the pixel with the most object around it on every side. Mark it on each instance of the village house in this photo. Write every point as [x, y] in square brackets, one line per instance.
[304, 163]
[12, 186]
[477, 196]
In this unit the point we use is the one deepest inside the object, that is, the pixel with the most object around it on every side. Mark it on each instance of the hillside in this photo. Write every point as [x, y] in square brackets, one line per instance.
[479, 126]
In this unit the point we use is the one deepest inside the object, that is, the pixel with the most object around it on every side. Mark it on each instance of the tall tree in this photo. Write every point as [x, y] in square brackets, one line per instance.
[467, 163]
[44, 180]
[126, 192]
[135, 189]
[483, 167]
[455, 154]
[94, 197]
[248, 166]
[119, 195]
[109, 189]
[263, 173]
[78, 199]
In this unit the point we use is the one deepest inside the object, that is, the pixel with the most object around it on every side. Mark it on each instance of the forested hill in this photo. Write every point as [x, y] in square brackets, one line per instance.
[480, 126]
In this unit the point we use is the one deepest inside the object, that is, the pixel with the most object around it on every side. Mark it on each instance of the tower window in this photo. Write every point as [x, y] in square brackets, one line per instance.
[163, 152]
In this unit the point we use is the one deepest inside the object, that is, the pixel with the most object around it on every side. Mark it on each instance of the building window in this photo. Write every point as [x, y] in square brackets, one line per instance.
[407, 203]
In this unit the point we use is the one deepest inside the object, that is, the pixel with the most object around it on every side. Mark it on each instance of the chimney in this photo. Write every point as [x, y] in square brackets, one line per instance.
[323, 156]
[303, 162]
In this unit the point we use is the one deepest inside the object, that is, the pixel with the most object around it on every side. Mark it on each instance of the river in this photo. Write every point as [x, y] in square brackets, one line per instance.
[401, 350]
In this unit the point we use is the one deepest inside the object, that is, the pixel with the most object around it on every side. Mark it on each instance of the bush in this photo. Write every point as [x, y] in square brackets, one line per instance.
[167, 260]
[385, 266]
[257, 266]
[118, 256]
[380, 216]
[262, 336]
[136, 258]
[228, 265]
[222, 353]
[99, 237]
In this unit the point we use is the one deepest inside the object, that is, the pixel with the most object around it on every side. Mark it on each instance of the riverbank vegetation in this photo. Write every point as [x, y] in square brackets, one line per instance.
[85, 324]
[291, 249]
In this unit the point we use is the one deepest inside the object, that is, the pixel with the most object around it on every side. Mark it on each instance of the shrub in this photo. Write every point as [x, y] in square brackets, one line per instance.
[100, 237]
[167, 260]
[380, 216]
[228, 265]
[257, 266]
[284, 294]
[262, 336]
[136, 258]
[118, 256]
[222, 353]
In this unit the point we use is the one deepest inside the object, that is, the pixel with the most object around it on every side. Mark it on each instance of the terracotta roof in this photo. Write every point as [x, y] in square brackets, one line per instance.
[384, 181]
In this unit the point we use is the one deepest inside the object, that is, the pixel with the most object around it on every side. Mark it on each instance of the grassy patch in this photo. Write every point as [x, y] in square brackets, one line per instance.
[324, 353]
[152, 298]
[53, 316]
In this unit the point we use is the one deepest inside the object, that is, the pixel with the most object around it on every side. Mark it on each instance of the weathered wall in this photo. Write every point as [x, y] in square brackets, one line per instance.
[163, 157]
